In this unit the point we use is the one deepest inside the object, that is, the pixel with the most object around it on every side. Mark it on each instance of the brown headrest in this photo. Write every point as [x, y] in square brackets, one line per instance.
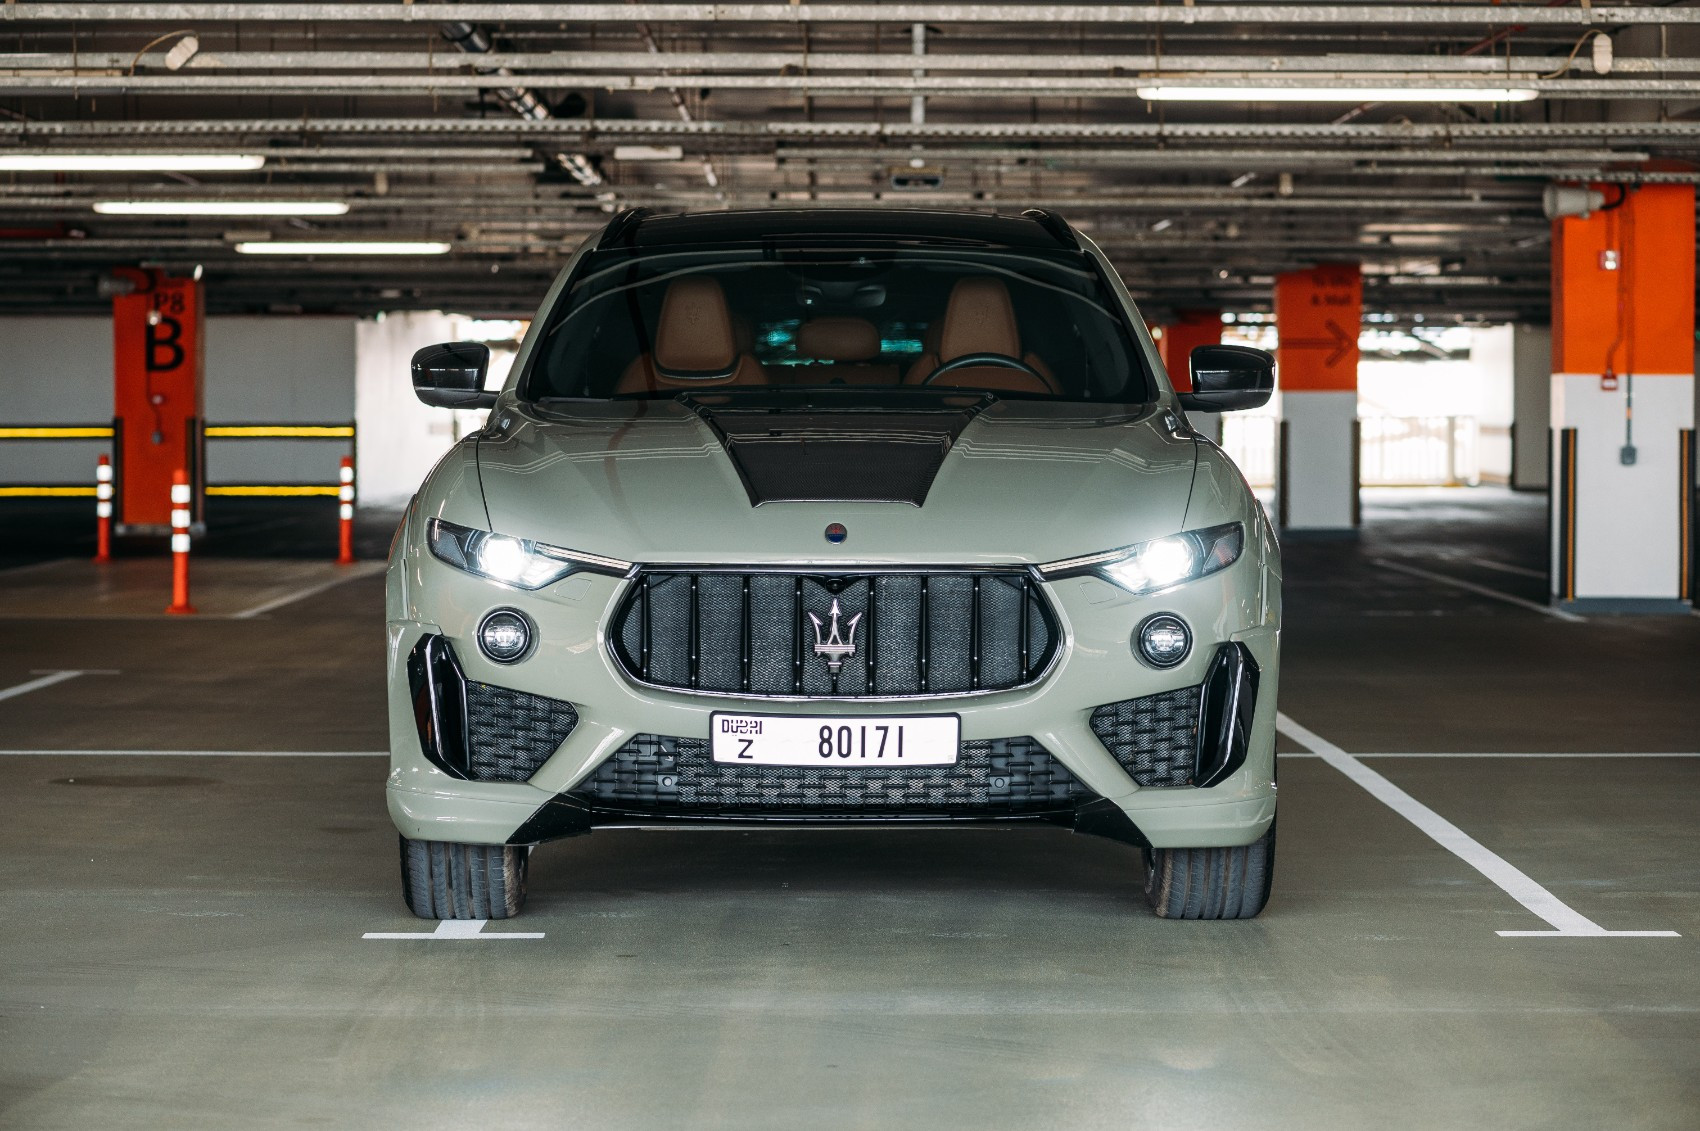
[694, 336]
[979, 319]
[838, 339]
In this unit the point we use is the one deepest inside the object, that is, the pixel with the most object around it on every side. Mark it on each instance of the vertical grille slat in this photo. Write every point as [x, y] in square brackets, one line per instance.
[915, 634]
[974, 640]
[744, 637]
[925, 621]
[693, 632]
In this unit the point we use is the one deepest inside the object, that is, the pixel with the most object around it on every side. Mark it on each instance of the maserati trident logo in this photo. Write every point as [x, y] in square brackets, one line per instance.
[834, 647]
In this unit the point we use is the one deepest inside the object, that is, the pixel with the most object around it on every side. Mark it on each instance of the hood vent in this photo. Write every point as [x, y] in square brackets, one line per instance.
[837, 457]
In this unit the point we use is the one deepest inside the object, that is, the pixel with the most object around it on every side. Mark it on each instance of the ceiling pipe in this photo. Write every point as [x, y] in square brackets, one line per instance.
[724, 15]
[715, 62]
[524, 103]
[518, 99]
[1544, 132]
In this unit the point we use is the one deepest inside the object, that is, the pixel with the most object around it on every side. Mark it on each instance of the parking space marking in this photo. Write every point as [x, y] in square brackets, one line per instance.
[1486, 563]
[1513, 754]
[1565, 921]
[1472, 587]
[454, 929]
[47, 680]
[364, 569]
[194, 753]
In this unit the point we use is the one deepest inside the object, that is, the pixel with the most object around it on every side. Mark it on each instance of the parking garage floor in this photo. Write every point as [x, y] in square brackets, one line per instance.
[195, 849]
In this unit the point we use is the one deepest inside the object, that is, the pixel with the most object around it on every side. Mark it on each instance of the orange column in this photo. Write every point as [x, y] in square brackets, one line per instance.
[1189, 330]
[1623, 401]
[157, 334]
[1317, 312]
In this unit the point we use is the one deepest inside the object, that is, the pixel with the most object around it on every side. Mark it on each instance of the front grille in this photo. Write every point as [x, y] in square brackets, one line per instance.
[764, 634]
[659, 774]
[510, 734]
[1154, 737]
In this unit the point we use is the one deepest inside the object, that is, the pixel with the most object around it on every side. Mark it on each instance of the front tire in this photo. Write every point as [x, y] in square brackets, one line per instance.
[1211, 883]
[440, 880]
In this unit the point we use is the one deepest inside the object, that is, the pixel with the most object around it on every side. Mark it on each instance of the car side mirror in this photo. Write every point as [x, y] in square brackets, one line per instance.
[1226, 378]
[451, 375]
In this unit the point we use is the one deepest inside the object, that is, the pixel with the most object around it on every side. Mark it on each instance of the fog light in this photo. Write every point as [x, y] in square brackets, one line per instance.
[1163, 640]
[505, 636]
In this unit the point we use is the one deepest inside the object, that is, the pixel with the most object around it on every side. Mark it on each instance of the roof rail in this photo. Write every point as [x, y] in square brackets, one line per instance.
[1054, 224]
[623, 226]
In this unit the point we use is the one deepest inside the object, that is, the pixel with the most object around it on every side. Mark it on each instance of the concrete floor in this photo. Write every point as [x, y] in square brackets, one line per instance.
[182, 944]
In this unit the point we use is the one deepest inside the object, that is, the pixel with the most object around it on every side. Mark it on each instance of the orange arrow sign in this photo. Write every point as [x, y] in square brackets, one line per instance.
[1337, 340]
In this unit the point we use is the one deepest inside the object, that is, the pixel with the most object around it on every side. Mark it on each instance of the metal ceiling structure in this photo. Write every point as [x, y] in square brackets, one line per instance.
[510, 131]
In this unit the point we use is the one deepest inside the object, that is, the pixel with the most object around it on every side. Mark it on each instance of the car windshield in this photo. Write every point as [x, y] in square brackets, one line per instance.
[902, 316]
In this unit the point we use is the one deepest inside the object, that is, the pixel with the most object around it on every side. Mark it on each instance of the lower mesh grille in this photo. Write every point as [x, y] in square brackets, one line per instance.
[663, 774]
[1154, 737]
[510, 734]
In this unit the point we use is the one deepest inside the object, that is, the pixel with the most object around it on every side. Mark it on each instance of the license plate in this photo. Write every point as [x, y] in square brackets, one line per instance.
[818, 740]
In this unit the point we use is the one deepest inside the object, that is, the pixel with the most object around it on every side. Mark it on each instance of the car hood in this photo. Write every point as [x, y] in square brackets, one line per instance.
[957, 481]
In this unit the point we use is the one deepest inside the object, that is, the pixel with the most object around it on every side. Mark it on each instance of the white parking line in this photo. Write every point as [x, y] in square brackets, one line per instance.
[364, 569]
[1566, 922]
[1489, 563]
[1472, 587]
[194, 753]
[1513, 754]
[454, 929]
[47, 680]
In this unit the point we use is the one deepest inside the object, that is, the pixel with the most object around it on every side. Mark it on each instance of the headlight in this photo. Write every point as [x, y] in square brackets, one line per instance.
[1161, 563]
[518, 562]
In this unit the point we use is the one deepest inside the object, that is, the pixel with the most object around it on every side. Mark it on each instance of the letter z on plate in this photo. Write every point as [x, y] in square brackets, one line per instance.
[818, 740]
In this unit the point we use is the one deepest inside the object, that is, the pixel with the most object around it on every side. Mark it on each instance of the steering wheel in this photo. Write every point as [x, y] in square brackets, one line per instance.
[969, 360]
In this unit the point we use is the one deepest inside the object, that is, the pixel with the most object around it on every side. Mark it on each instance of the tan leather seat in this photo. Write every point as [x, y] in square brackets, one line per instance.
[696, 344]
[979, 318]
[850, 344]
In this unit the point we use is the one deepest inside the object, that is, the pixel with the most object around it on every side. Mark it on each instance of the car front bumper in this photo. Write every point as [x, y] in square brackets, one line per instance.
[572, 662]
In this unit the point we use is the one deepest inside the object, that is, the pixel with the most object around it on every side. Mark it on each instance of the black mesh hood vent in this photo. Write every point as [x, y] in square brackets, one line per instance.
[819, 456]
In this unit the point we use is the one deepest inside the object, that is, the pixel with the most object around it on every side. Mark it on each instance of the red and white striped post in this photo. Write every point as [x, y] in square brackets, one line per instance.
[103, 510]
[180, 498]
[345, 512]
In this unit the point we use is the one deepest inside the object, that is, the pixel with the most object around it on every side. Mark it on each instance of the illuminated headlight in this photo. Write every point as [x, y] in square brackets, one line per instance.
[518, 562]
[1161, 563]
[505, 636]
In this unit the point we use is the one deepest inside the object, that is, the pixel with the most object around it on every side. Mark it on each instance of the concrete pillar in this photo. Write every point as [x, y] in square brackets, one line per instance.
[1189, 330]
[1317, 312]
[1531, 406]
[1623, 402]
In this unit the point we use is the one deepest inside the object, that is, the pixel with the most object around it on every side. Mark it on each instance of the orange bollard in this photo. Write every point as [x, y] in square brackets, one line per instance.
[180, 498]
[345, 510]
[103, 510]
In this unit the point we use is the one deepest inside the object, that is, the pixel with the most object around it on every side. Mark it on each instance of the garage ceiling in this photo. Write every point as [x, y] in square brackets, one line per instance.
[510, 131]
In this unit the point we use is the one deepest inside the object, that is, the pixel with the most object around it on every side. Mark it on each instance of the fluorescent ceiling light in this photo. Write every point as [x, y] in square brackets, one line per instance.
[343, 247]
[130, 162]
[649, 152]
[221, 208]
[1178, 93]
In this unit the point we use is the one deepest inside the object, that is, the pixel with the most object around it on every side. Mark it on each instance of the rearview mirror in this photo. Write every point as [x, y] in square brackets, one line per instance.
[1226, 378]
[451, 375]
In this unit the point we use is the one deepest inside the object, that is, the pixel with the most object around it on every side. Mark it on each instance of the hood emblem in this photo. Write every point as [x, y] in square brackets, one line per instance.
[836, 533]
[834, 647]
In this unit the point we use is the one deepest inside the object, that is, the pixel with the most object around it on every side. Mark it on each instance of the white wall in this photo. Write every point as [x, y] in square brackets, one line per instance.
[278, 370]
[55, 371]
[400, 438]
[1491, 353]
